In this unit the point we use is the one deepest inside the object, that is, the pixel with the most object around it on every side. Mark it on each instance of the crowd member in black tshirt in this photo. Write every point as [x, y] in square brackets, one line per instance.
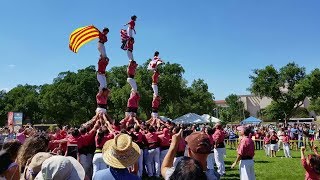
[274, 144]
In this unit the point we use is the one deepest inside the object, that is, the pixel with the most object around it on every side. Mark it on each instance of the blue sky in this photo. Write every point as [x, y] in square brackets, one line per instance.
[218, 41]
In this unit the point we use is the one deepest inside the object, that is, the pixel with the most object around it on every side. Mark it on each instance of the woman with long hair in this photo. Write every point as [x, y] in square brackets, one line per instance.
[33, 145]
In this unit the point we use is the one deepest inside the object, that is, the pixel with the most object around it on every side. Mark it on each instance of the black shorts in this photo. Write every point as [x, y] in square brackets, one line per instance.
[130, 76]
[154, 110]
[132, 109]
[130, 50]
[102, 106]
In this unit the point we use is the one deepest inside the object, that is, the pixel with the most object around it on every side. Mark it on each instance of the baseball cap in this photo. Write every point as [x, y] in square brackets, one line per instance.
[199, 142]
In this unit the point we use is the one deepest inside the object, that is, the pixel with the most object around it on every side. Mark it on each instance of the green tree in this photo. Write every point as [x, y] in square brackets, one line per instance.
[235, 111]
[23, 98]
[71, 97]
[3, 113]
[312, 83]
[315, 105]
[288, 87]
[201, 100]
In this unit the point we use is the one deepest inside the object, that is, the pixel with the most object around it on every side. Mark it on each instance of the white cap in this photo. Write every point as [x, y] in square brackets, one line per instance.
[61, 167]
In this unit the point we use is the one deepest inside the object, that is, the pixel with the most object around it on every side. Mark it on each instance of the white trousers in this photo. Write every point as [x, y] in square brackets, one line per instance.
[102, 81]
[101, 110]
[218, 157]
[85, 163]
[129, 32]
[133, 84]
[98, 163]
[162, 155]
[286, 150]
[154, 115]
[280, 143]
[102, 49]
[140, 163]
[247, 170]
[130, 55]
[153, 158]
[210, 161]
[155, 89]
[267, 149]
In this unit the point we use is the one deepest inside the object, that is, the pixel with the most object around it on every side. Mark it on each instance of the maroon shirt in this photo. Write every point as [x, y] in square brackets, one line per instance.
[310, 173]
[156, 102]
[130, 44]
[218, 136]
[155, 77]
[132, 24]
[133, 101]
[101, 99]
[246, 147]
[102, 64]
[131, 70]
[102, 38]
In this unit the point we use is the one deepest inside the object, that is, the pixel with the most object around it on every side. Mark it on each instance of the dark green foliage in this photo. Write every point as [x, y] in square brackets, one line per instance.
[70, 99]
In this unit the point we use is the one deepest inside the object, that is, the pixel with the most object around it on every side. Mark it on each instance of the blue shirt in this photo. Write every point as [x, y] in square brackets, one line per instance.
[293, 133]
[115, 174]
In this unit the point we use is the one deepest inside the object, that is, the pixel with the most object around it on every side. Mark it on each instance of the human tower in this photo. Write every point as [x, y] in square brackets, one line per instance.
[127, 43]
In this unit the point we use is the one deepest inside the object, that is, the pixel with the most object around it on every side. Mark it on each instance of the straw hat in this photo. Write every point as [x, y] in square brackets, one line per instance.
[121, 152]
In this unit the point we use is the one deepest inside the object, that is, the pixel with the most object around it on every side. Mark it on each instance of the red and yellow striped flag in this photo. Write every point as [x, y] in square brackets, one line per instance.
[81, 36]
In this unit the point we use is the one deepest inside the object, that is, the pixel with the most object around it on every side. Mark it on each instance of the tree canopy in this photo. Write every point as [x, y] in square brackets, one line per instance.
[235, 112]
[288, 87]
[70, 99]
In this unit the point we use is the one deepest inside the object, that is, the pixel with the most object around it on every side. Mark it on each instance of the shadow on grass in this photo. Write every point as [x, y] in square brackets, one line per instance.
[262, 161]
[296, 157]
[231, 177]
[228, 162]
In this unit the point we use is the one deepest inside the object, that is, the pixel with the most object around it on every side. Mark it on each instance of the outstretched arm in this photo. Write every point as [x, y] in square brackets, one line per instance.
[136, 121]
[236, 161]
[149, 121]
[168, 159]
[302, 152]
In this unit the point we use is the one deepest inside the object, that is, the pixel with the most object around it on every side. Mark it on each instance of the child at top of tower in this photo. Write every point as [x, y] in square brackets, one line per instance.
[131, 24]
[103, 39]
[155, 62]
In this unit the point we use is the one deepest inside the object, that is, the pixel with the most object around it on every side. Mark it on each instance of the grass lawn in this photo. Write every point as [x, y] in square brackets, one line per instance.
[269, 168]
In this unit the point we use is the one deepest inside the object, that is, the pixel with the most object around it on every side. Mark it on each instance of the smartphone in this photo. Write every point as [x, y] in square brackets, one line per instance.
[72, 150]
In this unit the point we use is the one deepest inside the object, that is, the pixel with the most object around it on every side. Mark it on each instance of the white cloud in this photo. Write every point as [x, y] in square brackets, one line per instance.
[11, 65]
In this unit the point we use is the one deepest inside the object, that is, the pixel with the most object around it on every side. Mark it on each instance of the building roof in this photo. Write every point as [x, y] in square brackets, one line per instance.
[220, 102]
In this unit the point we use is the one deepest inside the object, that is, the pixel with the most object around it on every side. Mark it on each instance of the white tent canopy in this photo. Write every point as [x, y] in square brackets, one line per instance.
[190, 118]
[211, 118]
[163, 118]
